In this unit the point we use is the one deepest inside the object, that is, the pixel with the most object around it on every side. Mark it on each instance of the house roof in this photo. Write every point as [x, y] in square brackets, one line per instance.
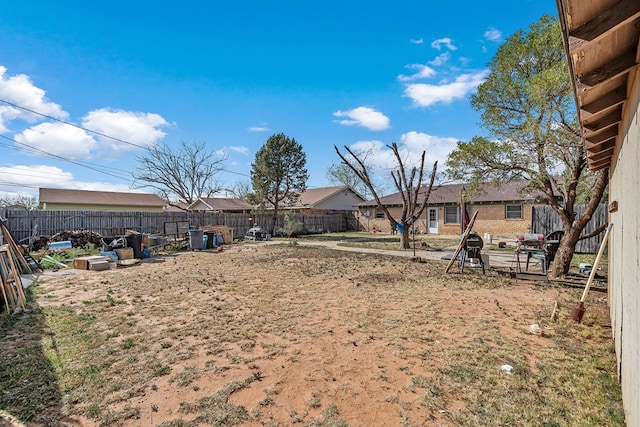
[313, 196]
[487, 193]
[222, 204]
[601, 38]
[86, 197]
[176, 207]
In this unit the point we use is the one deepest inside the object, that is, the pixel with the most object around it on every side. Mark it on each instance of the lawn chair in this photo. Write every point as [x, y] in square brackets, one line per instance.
[548, 253]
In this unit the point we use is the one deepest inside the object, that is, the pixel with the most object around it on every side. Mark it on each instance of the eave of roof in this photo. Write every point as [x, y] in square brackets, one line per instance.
[601, 40]
[86, 197]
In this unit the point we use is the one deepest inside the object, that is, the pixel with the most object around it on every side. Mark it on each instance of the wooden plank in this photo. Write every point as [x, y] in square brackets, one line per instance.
[463, 240]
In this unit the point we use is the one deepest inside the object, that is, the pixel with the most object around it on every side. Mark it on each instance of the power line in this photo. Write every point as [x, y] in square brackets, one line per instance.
[72, 124]
[93, 168]
[146, 148]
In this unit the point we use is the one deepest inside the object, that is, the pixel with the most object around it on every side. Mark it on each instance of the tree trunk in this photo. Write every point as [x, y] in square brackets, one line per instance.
[274, 223]
[404, 238]
[564, 255]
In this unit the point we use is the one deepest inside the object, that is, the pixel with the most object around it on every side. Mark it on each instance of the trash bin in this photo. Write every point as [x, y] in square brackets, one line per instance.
[211, 241]
[195, 239]
[218, 240]
[134, 241]
[205, 240]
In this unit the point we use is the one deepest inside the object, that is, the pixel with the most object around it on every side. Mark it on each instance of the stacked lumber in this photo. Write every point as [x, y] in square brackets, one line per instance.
[11, 260]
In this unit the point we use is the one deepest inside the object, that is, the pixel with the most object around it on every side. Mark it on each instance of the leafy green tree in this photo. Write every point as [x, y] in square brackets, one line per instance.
[533, 134]
[414, 194]
[278, 174]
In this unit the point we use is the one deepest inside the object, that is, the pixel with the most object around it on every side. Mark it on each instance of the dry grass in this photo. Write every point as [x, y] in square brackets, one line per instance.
[292, 335]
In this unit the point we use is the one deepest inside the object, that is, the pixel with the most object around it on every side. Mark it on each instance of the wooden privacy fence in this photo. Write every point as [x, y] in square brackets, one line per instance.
[22, 224]
[545, 220]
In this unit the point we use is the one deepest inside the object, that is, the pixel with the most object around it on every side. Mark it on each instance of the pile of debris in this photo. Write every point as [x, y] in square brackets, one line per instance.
[78, 239]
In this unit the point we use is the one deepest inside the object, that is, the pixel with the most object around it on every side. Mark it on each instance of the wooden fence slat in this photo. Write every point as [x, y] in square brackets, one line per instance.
[545, 220]
[49, 223]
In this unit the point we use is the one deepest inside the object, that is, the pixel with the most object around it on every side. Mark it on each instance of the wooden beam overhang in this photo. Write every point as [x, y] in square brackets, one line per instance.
[601, 39]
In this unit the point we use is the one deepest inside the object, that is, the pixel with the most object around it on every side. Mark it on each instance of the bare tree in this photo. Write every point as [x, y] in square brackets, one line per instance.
[240, 190]
[180, 175]
[414, 195]
[29, 203]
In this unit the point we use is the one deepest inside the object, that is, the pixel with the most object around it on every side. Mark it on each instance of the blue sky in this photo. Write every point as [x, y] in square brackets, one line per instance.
[361, 74]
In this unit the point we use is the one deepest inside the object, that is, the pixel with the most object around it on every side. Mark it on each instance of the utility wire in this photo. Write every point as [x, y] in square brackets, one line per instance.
[86, 130]
[93, 168]
[34, 150]
[74, 125]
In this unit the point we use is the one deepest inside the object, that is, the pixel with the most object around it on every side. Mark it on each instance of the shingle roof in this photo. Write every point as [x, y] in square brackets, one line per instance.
[488, 192]
[86, 197]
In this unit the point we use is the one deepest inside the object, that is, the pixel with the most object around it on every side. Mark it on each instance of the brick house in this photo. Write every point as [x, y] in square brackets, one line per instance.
[503, 210]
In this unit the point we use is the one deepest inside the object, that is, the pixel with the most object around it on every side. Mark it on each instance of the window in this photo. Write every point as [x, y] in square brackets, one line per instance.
[379, 213]
[513, 212]
[451, 215]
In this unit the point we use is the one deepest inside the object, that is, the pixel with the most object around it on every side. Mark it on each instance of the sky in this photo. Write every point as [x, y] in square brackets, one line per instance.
[87, 87]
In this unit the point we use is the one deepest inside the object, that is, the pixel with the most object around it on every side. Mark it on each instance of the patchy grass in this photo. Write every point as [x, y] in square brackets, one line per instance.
[293, 335]
[383, 240]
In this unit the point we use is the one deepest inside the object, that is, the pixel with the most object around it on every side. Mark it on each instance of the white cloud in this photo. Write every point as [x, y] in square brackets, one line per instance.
[436, 148]
[139, 129]
[26, 180]
[493, 34]
[440, 59]
[464, 61]
[424, 95]
[365, 117]
[416, 41]
[375, 154]
[381, 159]
[34, 176]
[446, 41]
[422, 72]
[58, 139]
[240, 149]
[20, 90]
[261, 128]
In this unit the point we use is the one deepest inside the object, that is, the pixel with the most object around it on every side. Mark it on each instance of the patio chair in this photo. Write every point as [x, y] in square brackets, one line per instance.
[548, 254]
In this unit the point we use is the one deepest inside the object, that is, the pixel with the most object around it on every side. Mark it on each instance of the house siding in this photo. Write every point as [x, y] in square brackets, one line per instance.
[48, 206]
[624, 257]
[339, 202]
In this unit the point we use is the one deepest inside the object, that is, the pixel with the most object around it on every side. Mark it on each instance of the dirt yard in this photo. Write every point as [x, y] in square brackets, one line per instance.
[285, 335]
